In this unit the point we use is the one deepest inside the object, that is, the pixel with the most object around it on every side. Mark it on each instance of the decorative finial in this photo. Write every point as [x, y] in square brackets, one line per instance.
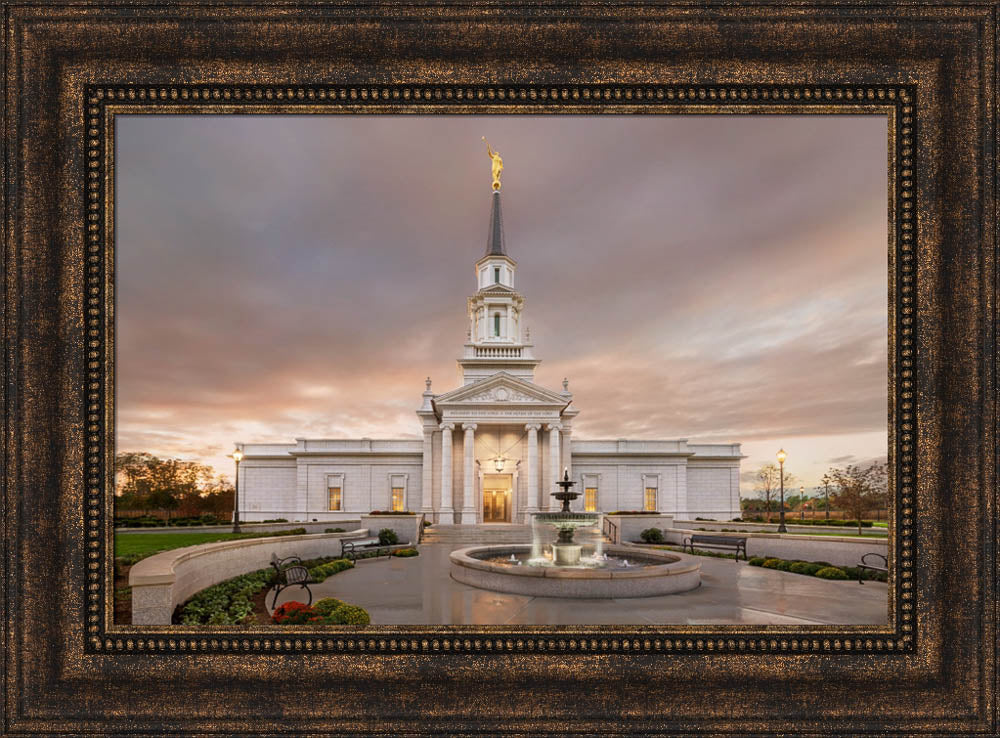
[565, 384]
[428, 383]
[497, 165]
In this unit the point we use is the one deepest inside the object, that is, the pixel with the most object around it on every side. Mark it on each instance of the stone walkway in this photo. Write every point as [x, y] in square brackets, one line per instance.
[420, 591]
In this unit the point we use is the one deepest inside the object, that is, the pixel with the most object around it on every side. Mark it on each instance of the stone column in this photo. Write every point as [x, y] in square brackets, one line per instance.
[447, 514]
[532, 468]
[469, 475]
[427, 478]
[555, 470]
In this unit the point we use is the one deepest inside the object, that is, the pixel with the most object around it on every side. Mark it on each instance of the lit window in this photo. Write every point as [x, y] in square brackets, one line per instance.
[590, 499]
[335, 498]
[398, 503]
[496, 274]
[650, 498]
[496, 324]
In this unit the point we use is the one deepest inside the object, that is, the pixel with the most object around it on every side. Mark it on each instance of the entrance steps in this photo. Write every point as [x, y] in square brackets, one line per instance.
[489, 533]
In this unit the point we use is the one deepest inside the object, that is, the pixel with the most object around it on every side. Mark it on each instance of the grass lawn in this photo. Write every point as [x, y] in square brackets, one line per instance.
[137, 546]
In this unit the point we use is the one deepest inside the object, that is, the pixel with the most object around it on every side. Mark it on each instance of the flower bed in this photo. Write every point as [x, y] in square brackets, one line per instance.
[327, 611]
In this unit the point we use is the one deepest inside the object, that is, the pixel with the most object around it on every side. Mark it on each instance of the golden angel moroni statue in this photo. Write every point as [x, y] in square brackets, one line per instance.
[497, 164]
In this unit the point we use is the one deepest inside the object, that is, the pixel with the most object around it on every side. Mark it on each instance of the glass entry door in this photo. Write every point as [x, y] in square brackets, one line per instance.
[496, 506]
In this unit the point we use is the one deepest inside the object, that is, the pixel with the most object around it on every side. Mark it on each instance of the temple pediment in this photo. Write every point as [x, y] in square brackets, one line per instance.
[502, 389]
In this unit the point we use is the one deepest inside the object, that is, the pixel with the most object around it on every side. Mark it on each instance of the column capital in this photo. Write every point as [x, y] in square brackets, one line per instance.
[533, 426]
[554, 426]
[447, 426]
[469, 426]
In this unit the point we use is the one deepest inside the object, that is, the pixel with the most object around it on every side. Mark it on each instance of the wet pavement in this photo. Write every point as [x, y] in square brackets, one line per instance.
[420, 591]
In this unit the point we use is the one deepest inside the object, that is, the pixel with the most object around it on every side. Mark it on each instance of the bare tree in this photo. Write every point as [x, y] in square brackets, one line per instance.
[767, 484]
[859, 488]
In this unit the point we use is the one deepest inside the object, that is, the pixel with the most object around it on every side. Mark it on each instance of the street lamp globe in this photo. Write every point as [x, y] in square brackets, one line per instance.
[782, 456]
[499, 462]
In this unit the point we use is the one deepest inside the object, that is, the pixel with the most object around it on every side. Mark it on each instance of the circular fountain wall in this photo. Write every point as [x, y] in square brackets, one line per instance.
[647, 573]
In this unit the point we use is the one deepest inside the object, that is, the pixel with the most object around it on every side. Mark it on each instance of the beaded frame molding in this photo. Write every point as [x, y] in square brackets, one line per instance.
[71, 66]
[103, 103]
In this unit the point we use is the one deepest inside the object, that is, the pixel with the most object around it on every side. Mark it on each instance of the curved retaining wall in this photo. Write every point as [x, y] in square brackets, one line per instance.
[163, 581]
[677, 574]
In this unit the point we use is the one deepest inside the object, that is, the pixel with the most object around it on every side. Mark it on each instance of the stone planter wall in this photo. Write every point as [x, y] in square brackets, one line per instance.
[161, 582]
[406, 527]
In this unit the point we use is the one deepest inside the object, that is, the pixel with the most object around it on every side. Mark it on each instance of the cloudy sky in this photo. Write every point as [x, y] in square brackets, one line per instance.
[716, 278]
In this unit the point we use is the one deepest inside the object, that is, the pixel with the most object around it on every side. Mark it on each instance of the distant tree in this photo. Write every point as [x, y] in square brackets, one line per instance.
[767, 485]
[146, 482]
[859, 488]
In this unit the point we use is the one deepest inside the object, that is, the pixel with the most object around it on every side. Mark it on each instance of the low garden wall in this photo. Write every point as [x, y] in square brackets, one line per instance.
[163, 581]
[628, 527]
[837, 550]
[246, 527]
[773, 527]
[406, 527]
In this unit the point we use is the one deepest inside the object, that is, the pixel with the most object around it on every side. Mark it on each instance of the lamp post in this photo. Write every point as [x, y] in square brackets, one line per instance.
[781, 510]
[237, 457]
[826, 493]
[499, 463]
[802, 502]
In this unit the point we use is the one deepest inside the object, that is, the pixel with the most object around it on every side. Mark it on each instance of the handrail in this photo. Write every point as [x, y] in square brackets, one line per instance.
[610, 529]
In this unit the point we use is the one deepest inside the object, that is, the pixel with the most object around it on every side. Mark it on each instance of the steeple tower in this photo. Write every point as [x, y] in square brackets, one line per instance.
[497, 339]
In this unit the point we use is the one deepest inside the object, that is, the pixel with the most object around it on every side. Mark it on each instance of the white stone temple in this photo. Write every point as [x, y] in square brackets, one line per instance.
[493, 448]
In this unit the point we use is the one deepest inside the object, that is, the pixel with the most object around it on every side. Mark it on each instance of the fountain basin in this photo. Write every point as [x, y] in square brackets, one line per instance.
[656, 573]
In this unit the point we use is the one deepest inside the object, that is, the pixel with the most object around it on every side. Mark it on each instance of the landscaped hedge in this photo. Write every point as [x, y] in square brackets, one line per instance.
[321, 572]
[634, 512]
[387, 537]
[790, 520]
[405, 553]
[390, 512]
[823, 569]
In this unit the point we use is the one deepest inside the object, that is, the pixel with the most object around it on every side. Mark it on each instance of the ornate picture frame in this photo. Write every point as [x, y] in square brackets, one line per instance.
[69, 70]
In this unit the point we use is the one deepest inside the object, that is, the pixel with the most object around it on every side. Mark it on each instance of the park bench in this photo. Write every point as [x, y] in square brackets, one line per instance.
[290, 572]
[349, 549]
[884, 568]
[737, 544]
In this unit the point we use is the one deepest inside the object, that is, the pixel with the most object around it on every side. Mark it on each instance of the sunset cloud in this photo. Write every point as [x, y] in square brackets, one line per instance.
[716, 278]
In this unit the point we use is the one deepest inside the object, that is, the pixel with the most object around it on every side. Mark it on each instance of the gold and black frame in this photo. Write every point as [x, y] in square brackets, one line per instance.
[72, 69]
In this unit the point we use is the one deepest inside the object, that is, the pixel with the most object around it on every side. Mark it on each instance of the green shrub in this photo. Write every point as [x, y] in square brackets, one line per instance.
[387, 537]
[427, 522]
[785, 565]
[798, 567]
[327, 605]
[334, 530]
[321, 572]
[831, 572]
[811, 568]
[757, 561]
[651, 535]
[275, 520]
[406, 552]
[771, 563]
[348, 615]
[392, 512]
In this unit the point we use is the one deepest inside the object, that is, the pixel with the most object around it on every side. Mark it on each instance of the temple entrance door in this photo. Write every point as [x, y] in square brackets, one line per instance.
[496, 499]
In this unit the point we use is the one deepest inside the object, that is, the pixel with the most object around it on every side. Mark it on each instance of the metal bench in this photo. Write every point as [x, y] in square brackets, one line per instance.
[872, 567]
[738, 544]
[350, 549]
[290, 572]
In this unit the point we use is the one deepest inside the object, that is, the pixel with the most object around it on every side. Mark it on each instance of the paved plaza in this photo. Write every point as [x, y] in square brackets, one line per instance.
[420, 590]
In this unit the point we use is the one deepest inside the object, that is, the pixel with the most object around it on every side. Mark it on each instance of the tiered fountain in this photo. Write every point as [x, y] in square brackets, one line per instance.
[565, 552]
[565, 571]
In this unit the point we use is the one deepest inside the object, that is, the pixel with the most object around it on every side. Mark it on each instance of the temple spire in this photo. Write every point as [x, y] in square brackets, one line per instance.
[495, 241]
